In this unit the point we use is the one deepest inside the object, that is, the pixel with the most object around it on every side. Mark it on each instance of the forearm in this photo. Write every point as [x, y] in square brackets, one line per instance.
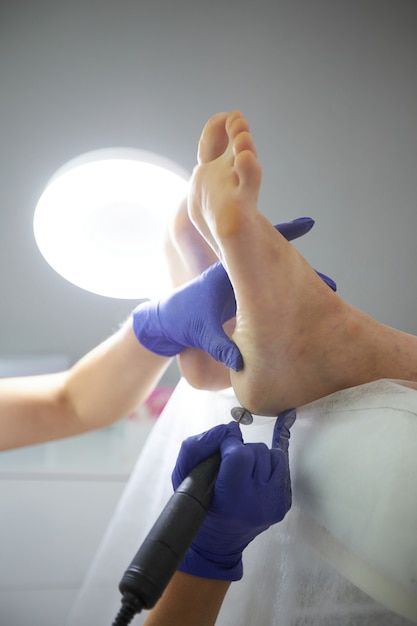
[104, 386]
[113, 379]
[189, 600]
[32, 409]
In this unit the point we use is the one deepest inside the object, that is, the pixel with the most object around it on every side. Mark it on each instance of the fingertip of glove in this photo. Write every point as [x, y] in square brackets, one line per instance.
[233, 429]
[308, 222]
[329, 281]
[236, 361]
[295, 228]
[239, 363]
[212, 435]
[230, 356]
[282, 427]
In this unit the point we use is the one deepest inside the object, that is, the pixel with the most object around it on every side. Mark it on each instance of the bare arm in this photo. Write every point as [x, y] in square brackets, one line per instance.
[189, 600]
[105, 385]
[112, 379]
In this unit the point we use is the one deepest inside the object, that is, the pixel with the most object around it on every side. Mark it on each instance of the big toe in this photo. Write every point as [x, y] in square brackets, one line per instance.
[214, 140]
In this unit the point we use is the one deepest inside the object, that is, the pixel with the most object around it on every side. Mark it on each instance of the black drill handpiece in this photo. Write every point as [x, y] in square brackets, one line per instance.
[172, 534]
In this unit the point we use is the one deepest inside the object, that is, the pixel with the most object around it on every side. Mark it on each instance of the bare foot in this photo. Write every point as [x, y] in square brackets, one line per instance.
[298, 339]
[188, 254]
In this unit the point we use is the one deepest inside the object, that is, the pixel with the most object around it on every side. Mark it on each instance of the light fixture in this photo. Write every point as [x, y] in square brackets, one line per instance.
[102, 220]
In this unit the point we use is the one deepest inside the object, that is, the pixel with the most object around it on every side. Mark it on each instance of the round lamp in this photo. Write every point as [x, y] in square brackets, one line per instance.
[101, 221]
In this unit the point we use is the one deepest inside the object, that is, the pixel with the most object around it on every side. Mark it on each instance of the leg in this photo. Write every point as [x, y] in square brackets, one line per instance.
[188, 254]
[299, 340]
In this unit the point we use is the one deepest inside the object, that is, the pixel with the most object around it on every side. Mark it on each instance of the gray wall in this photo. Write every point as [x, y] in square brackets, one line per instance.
[330, 89]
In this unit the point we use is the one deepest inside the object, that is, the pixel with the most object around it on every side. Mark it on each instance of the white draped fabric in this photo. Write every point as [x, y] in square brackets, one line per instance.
[346, 553]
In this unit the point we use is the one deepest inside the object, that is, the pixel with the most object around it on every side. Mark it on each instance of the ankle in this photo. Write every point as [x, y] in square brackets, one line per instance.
[369, 351]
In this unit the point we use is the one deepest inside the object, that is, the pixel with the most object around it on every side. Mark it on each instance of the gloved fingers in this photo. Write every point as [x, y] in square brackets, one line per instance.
[214, 273]
[268, 464]
[233, 431]
[296, 228]
[235, 468]
[329, 281]
[245, 462]
[225, 351]
[279, 463]
[195, 449]
[281, 434]
[264, 462]
[280, 485]
[199, 447]
[256, 475]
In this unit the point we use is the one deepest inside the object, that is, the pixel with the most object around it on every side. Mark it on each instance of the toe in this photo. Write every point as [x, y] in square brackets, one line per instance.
[236, 123]
[248, 170]
[214, 140]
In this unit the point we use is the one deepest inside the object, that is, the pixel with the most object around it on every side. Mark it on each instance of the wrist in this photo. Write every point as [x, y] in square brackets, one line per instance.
[150, 333]
[215, 567]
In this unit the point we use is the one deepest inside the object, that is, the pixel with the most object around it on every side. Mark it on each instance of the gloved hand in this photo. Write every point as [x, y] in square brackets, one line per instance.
[193, 314]
[252, 492]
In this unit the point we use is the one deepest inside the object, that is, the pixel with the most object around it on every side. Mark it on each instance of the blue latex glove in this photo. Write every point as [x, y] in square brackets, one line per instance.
[193, 314]
[252, 492]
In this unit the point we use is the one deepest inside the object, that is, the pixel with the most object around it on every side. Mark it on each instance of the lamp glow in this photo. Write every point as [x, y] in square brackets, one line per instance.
[101, 221]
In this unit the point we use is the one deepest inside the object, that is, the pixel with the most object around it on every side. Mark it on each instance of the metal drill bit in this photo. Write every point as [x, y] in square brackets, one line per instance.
[241, 415]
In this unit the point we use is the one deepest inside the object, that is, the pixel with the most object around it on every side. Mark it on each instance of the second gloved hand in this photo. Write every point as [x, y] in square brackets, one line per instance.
[191, 316]
[252, 492]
